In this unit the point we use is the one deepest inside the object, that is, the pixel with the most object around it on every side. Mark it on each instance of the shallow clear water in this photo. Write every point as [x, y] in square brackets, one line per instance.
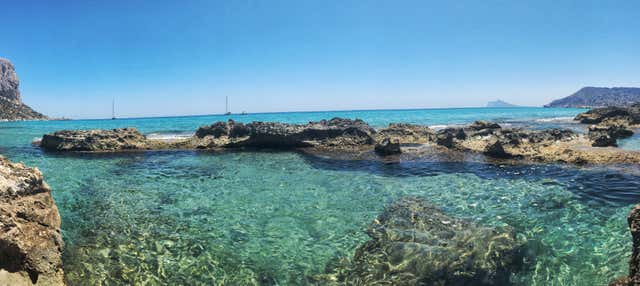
[274, 218]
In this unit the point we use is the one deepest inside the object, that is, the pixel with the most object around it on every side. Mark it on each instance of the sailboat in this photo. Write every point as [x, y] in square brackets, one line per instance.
[113, 109]
[226, 110]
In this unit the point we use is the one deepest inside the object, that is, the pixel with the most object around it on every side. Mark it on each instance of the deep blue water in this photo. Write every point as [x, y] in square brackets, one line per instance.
[274, 218]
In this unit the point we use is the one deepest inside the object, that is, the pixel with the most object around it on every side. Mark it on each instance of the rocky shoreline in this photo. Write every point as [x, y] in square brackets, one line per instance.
[30, 239]
[343, 135]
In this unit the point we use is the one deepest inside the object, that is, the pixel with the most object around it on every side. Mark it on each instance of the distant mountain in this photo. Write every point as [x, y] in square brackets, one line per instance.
[599, 97]
[500, 103]
[11, 106]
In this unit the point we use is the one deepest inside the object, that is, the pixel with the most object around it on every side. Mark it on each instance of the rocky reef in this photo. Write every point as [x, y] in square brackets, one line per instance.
[488, 138]
[415, 243]
[610, 124]
[337, 132]
[11, 106]
[95, 140]
[30, 239]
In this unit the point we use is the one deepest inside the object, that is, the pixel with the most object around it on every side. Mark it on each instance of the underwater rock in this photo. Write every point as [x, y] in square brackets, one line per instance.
[95, 140]
[386, 147]
[414, 243]
[337, 132]
[407, 133]
[30, 239]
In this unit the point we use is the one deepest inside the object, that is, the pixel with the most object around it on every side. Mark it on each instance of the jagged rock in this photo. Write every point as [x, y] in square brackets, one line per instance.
[11, 106]
[634, 263]
[407, 133]
[628, 115]
[481, 125]
[414, 243]
[608, 135]
[386, 147]
[95, 140]
[336, 132]
[496, 149]
[30, 239]
[448, 136]
[551, 135]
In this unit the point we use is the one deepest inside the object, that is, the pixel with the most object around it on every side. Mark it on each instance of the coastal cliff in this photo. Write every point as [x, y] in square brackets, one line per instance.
[591, 97]
[30, 239]
[11, 106]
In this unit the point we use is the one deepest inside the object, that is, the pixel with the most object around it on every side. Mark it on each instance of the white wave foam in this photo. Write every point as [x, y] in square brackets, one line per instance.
[438, 127]
[169, 136]
[555, 119]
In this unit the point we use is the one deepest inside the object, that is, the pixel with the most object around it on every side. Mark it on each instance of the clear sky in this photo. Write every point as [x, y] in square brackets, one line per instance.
[183, 57]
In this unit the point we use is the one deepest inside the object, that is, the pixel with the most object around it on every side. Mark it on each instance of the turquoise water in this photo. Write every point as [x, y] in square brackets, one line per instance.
[275, 218]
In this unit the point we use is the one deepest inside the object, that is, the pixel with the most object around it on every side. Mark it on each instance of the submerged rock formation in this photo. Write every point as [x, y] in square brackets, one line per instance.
[30, 239]
[414, 243]
[11, 106]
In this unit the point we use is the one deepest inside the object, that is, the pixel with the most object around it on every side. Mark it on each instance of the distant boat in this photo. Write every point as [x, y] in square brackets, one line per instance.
[226, 109]
[243, 113]
[113, 109]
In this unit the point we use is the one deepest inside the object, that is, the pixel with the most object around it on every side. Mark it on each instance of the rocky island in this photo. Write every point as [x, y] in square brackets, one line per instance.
[11, 106]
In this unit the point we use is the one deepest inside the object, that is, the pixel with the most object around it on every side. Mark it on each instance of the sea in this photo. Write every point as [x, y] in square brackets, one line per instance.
[279, 217]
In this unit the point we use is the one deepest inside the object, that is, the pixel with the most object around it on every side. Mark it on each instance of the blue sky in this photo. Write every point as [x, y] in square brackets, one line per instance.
[184, 57]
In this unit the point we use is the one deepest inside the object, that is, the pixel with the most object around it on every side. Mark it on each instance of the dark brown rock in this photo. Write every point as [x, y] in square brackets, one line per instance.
[495, 149]
[336, 132]
[30, 239]
[630, 115]
[386, 147]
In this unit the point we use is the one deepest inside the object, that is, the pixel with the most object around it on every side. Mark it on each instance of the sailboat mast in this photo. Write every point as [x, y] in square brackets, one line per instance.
[113, 108]
[226, 104]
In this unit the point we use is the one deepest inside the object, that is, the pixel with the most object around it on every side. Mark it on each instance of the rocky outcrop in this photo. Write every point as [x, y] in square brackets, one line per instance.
[551, 145]
[626, 115]
[607, 135]
[30, 239]
[415, 243]
[95, 140]
[634, 263]
[406, 133]
[336, 132]
[11, 106]
[599, 97]
[386, 147]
